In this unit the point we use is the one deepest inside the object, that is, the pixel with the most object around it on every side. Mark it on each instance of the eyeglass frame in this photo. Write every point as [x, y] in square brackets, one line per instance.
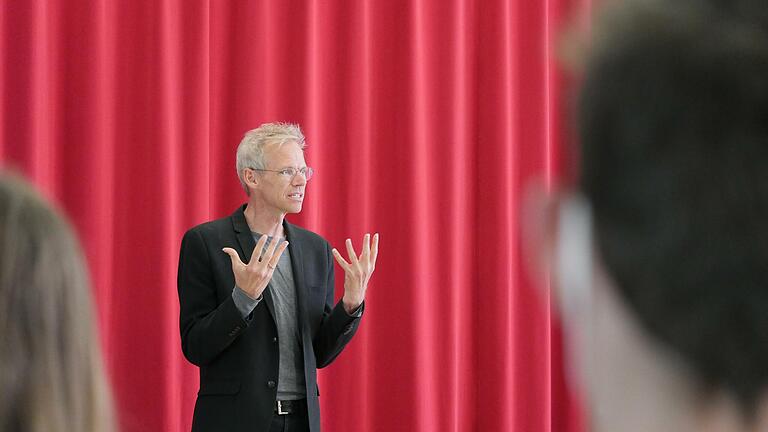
[307, 173]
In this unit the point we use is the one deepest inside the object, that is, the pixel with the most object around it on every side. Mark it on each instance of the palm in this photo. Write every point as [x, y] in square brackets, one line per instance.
[358, 270]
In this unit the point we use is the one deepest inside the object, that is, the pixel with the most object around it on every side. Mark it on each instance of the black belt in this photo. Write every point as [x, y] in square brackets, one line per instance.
[290, 406]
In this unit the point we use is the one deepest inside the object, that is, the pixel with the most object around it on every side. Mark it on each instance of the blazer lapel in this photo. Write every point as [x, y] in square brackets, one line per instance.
[297, 264]
[247, 245]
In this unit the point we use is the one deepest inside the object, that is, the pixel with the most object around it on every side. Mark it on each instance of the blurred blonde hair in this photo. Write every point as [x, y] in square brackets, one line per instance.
[51, 372]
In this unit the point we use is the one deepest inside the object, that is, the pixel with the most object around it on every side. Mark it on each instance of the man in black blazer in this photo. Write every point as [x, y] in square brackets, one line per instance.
[256, 296]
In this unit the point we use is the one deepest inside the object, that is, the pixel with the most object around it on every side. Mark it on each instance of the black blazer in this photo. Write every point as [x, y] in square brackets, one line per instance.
[238, 358]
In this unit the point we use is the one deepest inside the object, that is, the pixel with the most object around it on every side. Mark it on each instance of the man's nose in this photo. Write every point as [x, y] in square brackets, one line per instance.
[299, 179]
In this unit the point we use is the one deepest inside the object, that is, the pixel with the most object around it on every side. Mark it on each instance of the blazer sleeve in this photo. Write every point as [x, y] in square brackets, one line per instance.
[207, 328]
[337, 327]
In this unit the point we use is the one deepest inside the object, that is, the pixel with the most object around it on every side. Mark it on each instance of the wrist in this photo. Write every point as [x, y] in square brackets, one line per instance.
[250, 293]
[351, 305]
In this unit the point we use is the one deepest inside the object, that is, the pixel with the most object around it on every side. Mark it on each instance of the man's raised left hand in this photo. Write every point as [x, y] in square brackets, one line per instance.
[358, 271]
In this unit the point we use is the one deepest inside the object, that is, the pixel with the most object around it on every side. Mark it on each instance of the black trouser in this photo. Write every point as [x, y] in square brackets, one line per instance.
[296, 421]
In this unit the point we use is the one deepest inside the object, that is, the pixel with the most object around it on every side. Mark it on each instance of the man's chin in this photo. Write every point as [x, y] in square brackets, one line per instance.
[295, 208]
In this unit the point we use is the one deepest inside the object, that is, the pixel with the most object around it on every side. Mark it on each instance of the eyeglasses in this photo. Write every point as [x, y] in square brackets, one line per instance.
[290, 172]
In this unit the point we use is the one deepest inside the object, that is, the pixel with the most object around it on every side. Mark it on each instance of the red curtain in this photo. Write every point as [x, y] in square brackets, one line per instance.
[424, 120]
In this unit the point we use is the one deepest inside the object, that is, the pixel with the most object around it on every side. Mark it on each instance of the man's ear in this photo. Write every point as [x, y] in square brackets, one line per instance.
[250, 178]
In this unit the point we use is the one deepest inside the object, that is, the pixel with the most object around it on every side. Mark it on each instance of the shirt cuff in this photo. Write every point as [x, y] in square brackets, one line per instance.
[244, 303]
[357, 313]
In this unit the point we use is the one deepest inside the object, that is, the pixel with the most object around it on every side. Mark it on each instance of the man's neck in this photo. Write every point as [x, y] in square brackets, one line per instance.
[264, 222]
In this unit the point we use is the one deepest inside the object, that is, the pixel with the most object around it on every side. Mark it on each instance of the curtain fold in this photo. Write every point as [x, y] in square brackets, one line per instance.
[424, 120]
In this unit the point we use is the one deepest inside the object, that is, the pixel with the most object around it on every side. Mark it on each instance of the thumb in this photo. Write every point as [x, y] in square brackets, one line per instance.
[232, 255]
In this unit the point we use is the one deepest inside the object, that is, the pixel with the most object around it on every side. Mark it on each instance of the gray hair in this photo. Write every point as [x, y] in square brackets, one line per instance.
[250, 152]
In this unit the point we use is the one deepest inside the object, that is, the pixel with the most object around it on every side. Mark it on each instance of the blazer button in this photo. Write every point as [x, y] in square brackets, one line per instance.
[271, 384]
[274, 339]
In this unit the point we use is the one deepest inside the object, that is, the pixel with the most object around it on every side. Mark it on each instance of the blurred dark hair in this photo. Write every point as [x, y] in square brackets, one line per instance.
[51, 373]
[673, 124]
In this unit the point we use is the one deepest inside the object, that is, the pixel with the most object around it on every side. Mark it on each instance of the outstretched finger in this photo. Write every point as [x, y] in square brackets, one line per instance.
[258, 250]
[375, 249]
[233, 256]
[276, 256]
[339, 259]
[270, 250]
[351, 252]
[366, 246]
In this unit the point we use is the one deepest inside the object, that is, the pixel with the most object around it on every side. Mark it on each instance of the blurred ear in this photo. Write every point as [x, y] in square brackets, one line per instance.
[539, 226]
[720, 412]
[761, 413]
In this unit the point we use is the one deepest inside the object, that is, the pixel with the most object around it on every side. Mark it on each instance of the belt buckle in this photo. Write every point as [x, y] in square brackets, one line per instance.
[280, 409]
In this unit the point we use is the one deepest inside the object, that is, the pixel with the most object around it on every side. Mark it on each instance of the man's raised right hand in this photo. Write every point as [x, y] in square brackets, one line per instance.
[254, 277]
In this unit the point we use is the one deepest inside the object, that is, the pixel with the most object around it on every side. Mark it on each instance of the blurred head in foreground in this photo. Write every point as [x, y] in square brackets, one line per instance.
[51, 373]
[660, 254]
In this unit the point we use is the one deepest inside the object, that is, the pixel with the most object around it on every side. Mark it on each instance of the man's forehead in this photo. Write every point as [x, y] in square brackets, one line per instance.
[286, 151]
